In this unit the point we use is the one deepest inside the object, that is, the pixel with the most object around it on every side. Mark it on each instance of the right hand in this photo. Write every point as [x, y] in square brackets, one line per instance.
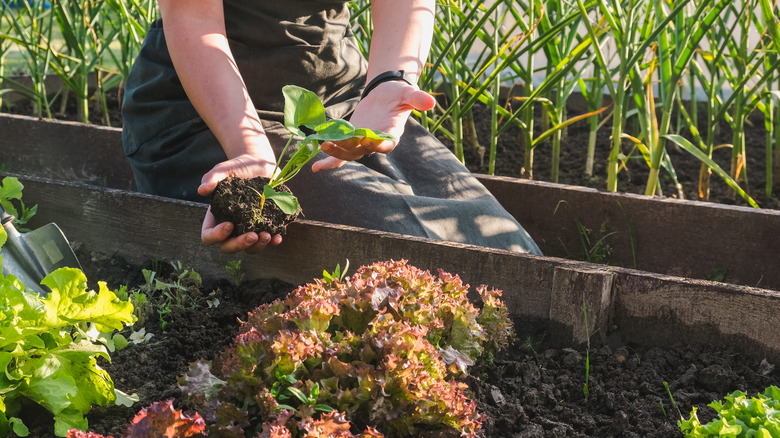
[244, 166]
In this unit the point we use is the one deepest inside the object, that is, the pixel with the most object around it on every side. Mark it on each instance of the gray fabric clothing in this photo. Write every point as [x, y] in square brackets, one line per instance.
[419, 189]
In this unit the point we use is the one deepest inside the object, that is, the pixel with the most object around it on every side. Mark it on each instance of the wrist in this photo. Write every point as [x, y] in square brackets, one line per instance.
[388, 76]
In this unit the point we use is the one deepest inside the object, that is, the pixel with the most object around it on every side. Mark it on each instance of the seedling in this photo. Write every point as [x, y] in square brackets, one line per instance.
[233, 269]
[303, 110]
[182, 289]
[336, 276]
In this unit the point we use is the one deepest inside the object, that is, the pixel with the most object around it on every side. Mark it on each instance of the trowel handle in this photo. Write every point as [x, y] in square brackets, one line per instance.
[5, 218]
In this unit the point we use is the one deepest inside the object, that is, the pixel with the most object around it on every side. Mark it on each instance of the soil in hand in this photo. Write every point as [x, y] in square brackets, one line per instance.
[237, 200]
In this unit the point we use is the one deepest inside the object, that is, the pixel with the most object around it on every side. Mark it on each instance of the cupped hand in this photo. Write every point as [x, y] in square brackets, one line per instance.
[386, 108]
[211, 233]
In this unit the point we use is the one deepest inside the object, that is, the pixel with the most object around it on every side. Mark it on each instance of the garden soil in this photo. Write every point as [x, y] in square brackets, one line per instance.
[532, 389]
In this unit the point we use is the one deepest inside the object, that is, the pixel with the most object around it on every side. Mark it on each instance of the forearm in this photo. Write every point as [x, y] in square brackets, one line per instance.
[402, 36]
[195, 34]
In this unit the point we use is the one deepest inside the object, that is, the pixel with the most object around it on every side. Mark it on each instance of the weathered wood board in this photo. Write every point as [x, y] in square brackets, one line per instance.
[683, 238]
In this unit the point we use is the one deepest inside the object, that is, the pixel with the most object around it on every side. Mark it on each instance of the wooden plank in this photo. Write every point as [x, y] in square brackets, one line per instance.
[581, 294]
[681, 238]
[651, 309]
[65, 151]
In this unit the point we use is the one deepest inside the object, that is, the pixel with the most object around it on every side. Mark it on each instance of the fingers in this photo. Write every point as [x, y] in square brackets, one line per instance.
[355, 148]
[252, 243]
[245, 166]
[327, 164]
[350, 150]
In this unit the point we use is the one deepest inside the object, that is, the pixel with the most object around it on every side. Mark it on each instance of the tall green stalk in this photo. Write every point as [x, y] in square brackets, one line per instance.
[494, 103]
[768, 16]
[555, 50]
[623, 39]
[527, 115]
[675, 57]
[86, 39]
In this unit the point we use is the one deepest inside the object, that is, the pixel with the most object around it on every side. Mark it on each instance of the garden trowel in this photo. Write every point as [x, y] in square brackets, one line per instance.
[33, 255]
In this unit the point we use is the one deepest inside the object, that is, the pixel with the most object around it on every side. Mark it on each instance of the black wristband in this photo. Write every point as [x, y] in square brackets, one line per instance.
[398, 75]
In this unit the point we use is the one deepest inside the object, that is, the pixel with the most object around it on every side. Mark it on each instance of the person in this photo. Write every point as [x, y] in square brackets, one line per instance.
[203, 102]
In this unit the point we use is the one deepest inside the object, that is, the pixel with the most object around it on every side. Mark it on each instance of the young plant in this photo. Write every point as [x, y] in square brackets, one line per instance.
[11, 194]
[160, 295]
[337, 275]
[159, 419]
[30, 28]
[302, 109]
[233, 269]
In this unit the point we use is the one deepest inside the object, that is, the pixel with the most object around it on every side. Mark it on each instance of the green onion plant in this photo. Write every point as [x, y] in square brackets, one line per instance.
[29, 28]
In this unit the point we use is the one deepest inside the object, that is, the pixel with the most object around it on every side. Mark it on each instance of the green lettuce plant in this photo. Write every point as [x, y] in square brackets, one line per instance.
[49, 346]
[739, 416]
[376, 354]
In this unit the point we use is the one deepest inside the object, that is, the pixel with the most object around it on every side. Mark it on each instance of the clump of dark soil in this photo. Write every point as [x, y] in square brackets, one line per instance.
[238, 200]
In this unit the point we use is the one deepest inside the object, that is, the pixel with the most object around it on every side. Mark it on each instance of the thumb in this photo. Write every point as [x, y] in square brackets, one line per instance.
[209, 182]
[420, 100]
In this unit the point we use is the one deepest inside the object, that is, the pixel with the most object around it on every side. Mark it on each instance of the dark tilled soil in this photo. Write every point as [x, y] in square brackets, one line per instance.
[530, 390]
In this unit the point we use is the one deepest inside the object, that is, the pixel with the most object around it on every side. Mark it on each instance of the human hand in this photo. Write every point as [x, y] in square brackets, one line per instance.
[386, 108]
[244, 166]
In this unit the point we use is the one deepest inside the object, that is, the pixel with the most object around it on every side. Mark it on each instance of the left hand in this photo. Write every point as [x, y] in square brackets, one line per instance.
[386, 108]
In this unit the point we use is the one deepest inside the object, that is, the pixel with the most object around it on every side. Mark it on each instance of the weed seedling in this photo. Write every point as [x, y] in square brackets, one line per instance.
[337, 275]
[233, 269]
[585, 389]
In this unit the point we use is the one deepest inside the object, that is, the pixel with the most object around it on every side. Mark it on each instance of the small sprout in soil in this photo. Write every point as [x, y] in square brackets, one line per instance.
[243, 201]
[233, 269]
[336, 276]
[162, 293]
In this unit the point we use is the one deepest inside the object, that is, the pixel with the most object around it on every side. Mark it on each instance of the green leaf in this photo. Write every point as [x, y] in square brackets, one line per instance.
[123, 399]
[120, 342]
[18, 426]
[286, 201]
[701, 156]
[323, 408]
[70, 302]
[333, 130]
[298, 394]
[11, 188]
[301, 107]
[375, 135]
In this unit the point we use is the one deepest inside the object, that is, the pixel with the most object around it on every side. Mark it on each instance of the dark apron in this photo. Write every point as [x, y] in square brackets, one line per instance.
[419, 189]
